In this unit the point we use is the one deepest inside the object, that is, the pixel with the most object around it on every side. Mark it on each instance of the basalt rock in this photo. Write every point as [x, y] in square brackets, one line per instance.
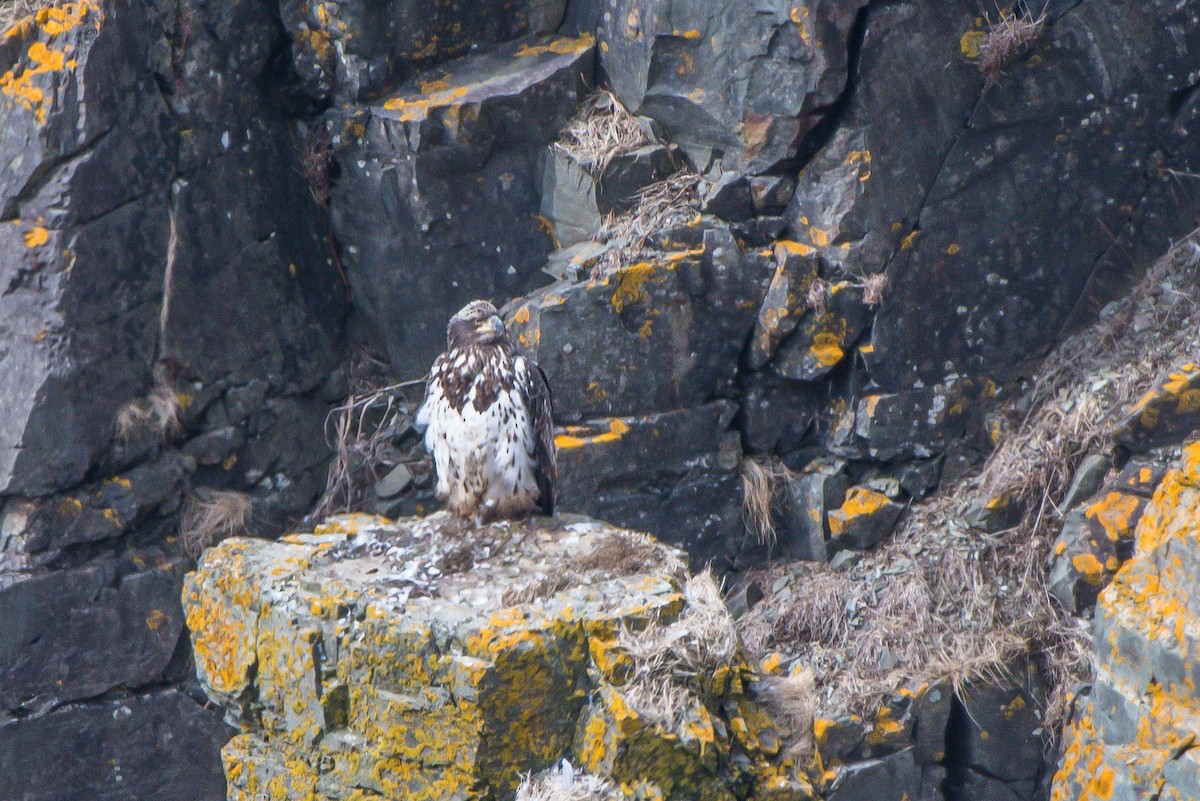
[734, 83]
[426, 660]
[440, 186]
[161, 746]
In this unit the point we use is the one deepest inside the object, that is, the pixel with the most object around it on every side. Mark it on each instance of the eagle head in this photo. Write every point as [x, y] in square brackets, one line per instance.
[477, 323]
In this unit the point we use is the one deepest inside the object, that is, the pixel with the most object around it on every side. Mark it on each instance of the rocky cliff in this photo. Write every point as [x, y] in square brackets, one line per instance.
[817, 242]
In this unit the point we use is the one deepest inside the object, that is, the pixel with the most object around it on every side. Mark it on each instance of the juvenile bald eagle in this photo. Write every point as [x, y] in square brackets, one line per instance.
[489, 422]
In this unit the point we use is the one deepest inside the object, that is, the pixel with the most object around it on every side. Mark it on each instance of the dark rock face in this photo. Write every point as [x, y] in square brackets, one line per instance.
[673, 473]
[84, 221]
[161, 746]
[441, 185]
[736, 82]
[1058, 118]
[349, 50]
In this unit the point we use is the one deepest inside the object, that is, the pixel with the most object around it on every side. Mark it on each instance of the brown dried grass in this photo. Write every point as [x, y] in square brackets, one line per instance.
[359, 430]
[671, 203]
[210, 516]
[764, 486]
[158, 413]
[1006, 37]
[945, 601]
[602, 130]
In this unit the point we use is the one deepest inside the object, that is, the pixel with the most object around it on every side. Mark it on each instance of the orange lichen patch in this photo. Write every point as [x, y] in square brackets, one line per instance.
[1088, 566]
[1115, 512]
[522, 315]
[630, 285]
[818, 236]
[617, 428]
[970, 44]
[561, 47]
[827, 348]
[907, 242]
[416, 109]
[786, 246]
[953, 249]
[860, 502]
[36, 236]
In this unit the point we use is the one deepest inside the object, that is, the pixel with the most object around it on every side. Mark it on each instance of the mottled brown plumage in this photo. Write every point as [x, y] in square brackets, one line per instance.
[489, 422]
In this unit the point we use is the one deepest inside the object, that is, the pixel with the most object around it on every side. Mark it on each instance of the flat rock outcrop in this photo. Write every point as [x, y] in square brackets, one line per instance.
[425, 659]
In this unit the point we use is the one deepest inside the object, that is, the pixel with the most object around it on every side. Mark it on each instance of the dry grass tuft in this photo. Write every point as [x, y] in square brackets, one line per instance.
[671, 660]
[316, 165]
[1006, 38]
[945, 601]
[874, 288]
[791, 702]
[13, 11]
[764, 485]
[157, 413]
[626, 554]
[564, 783]
[817, 296]
[603, 130]
[661, 206]
[210, 516]
[360, 430]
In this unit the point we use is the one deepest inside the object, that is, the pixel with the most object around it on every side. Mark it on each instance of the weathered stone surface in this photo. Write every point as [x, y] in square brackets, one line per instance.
[786, 302]
[1077, 121]
[35, 530]
[72, 634]
[1004, 737]
[426, 660]
[777, 415]
[673, 474]
[440, 188]
[1144, 711]
[736, 81]
[818, 490]
[656, 335]
[915, 423]
[83, 237]
[863, 520]
[823, 337]
[349, 50]
[1166, 414]
[242, 217]
[162, 746]
[891, 778]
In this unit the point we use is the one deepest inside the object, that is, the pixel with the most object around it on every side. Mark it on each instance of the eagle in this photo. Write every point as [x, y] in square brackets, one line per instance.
[488, 422]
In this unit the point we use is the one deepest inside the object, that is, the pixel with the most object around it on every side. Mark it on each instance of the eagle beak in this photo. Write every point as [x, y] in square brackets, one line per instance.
[492, 326]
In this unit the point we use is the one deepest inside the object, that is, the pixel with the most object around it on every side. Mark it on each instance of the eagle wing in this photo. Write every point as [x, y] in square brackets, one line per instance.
[541, 418]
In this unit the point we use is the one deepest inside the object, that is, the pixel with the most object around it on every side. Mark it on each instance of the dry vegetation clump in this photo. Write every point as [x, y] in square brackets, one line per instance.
[360, 430]
[874, 288]
[791, 702]
[158, 413]
[316, 165]
[210, 516]
[1007, 37]
[602, 130]
[13, 11]
[564, 783]
[816, 297]
[628, 553]
[946, 601]
[670, 661]
[671, 203]
[764, 485]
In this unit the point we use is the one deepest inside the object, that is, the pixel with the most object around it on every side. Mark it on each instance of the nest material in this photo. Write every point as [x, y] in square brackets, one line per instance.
[564, 783]
[945, 601]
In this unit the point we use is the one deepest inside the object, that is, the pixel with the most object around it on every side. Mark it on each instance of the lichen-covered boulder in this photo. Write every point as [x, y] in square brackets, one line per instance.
[1133, 734]
[1166, 414]
[651, 336]
[425, 659]
[440, 186]
[1098, 538]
